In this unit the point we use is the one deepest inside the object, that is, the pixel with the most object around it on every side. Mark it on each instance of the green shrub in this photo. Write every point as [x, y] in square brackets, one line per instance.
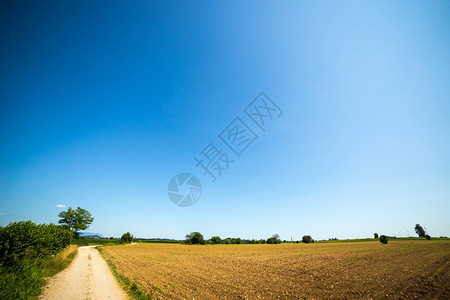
[25, 238]
[428, 237]
[383, 239]
[127, 238]
[307, 239]
[28, 253]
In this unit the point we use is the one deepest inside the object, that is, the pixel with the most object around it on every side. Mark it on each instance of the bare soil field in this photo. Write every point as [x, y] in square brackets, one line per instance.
[358, 270]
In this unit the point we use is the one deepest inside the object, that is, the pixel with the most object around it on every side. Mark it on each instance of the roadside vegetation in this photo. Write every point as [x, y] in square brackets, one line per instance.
[87, 241]
[84, 241]
[129, 286]
[30, 252]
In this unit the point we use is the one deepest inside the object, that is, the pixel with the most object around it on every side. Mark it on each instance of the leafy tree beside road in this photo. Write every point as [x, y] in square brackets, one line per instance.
[75, 220]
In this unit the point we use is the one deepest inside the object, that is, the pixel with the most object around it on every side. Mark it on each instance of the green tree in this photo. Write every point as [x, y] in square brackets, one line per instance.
[227, 241]
[428, 237]
[238, 241]
[127, 238]
[383, 239]
[419, 230]
[195, 238]
[216, 240]
[375, 235]
[307, 239]
[275, 239]
[75, 220]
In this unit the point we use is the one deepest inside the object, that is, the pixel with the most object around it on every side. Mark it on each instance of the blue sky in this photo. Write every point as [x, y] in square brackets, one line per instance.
[102, 103]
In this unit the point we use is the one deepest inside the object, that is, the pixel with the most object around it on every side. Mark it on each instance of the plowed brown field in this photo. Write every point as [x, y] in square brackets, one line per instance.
[357, 270]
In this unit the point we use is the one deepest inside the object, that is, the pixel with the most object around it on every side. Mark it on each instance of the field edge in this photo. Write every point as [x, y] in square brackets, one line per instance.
[131, 287]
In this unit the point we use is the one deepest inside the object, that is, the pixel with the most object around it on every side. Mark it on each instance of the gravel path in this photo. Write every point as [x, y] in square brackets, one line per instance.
[87, 277]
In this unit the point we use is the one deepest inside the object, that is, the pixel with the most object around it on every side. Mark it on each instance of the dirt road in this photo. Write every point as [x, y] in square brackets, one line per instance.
[87, 277]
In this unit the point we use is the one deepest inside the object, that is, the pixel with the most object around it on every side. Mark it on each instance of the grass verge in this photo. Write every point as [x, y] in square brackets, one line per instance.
[26, 278]
[54, 265]
[130, 286]
[89, 241]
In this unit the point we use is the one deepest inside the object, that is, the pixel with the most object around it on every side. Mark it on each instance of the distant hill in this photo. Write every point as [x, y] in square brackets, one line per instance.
[92, 235]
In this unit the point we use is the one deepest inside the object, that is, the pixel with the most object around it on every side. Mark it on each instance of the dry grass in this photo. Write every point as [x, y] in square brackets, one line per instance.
[60, 261]
[400, 269]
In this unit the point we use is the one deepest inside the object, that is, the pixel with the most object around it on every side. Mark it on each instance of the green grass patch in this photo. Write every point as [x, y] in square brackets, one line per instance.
[54, 265]
[25, 279]
[88, 242]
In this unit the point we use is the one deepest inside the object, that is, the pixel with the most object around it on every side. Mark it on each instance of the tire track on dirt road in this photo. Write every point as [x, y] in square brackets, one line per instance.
[88, 277]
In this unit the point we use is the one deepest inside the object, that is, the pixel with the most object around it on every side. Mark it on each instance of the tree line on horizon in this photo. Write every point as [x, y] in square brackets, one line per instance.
[196, 238]
[80, 219]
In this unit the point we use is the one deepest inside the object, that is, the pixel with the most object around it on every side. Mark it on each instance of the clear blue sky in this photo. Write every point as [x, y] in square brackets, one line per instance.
[103, 102]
